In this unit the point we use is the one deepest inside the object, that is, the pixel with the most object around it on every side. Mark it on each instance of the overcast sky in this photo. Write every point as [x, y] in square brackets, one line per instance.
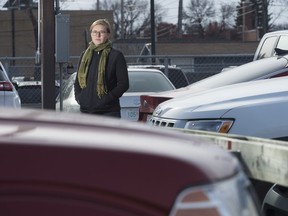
[171, 6]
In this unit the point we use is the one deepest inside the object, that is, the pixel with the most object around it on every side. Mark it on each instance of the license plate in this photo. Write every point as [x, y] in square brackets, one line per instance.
[131, 114]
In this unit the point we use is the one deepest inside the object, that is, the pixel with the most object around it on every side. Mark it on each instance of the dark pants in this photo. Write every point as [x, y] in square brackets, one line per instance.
[110, 114]
[116, 114]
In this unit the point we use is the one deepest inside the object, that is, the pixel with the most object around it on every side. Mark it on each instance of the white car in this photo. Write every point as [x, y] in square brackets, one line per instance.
[256, 108]
[141, 81]
[8, 94]
[261, 69]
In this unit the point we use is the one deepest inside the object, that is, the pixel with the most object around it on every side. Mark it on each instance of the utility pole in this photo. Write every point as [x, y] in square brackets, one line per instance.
[13, 31]
[122, 19]
[244, 5]
[47, 53]
[152, 29]
[265, 16]
[180, 17]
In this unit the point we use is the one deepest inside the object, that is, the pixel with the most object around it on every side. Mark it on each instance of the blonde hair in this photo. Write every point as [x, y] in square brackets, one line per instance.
[103, 22]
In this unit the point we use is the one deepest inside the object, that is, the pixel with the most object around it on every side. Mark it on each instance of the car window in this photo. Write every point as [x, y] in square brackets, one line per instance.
[266, 47]
[283, 42]
[148, 82]
[174, 74]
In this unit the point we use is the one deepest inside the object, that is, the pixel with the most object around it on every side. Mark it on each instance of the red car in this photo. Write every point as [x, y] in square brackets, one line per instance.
[78, 164]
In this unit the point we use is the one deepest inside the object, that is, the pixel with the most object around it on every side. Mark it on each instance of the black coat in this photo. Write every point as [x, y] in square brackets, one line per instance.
[116, 80]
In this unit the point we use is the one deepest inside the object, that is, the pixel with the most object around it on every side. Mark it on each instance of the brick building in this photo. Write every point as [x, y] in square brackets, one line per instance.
[19, 33]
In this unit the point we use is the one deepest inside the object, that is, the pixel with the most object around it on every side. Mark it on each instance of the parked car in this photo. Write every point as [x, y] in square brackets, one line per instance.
[8, 94]
[30, 91]
[256, 108]
[174, 74]
[141, 81]
[261, 69]
[93, 165]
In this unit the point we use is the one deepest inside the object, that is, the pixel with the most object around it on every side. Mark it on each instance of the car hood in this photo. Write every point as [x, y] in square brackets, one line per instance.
[243, 73]
[220, 100]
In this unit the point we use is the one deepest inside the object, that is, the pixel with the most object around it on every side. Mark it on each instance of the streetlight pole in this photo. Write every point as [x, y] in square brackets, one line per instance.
[152, 29]
[122, 19]
[245, 3]
[180, 17]
[265, 16]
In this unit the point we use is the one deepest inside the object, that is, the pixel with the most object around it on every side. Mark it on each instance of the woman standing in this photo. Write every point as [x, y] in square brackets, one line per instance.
[102, 75]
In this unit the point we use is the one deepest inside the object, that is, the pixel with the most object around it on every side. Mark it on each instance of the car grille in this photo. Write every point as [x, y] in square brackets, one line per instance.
[161, 122]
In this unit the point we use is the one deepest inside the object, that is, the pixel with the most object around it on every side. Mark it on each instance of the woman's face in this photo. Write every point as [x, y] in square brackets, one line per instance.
[99, 34]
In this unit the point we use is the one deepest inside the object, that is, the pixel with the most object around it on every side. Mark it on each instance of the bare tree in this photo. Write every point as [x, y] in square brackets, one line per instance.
[198, 14]
[277, 14]
[136, 16]
[227, 16]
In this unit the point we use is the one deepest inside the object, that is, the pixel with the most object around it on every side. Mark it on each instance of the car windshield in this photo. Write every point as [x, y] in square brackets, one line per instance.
[143, 81]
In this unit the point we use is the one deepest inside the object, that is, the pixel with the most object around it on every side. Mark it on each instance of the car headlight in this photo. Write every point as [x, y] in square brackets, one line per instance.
[233, 197]
[216, 125]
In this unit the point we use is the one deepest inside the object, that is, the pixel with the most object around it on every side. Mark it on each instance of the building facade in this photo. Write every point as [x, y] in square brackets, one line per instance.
[17, 38]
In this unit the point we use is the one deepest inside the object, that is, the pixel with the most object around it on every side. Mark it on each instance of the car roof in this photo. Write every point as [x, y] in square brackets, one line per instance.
[154, 66]
[107, 154]
[144, 70]
[279, 32]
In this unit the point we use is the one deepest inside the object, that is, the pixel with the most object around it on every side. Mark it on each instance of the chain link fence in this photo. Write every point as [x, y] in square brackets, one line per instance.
[27, 73]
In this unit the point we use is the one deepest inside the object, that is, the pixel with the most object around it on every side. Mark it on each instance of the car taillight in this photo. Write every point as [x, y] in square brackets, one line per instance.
[6, 86]
[231, 197]
[148, 104]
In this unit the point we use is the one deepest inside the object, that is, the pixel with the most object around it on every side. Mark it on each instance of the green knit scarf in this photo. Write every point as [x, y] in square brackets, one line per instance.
[85, 62]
